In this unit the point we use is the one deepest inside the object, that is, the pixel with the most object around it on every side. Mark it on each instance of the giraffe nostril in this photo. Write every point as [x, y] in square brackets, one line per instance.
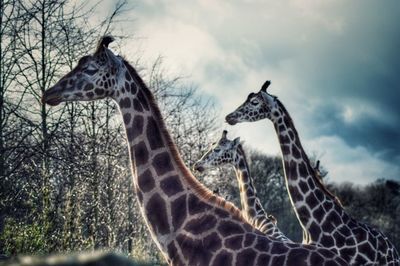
[231, 119]
[52, 96]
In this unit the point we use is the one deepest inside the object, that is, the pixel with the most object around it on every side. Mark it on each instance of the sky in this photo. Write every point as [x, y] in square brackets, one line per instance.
[334, 64]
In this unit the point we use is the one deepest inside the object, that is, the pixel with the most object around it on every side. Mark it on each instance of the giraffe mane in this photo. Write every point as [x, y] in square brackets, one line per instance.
[240, 148]
[314, 175]
[198, 187]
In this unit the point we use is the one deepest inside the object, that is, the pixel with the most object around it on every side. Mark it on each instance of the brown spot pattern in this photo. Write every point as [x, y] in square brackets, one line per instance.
[157, 219]
[153, 134]
[196, 205]
[137, 106]
[141, 153]
[171, 185]
[227, 228]
[223, 258]
[127, 118]
[125, 102]
[133, 88]
[142, 100]
[194, 251]
[162, 163]
[246, 257]
[178, 211]
[99, 91]
[201, 224]
[249, 239]
[146, 181]
[136, 129]
[212, 241]
[234, 242]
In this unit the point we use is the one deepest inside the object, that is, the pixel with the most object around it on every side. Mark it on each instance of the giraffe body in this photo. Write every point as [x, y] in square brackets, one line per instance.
[228, 152]
[320, 213]
[189, 224]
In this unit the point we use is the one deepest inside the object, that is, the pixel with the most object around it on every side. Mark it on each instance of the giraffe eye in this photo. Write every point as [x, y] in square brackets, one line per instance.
[90, 72]
[254, 102]
[217, 149]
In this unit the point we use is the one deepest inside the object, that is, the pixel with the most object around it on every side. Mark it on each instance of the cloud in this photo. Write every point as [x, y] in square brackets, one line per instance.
[334, 64]
[359, 123]
[355, 164]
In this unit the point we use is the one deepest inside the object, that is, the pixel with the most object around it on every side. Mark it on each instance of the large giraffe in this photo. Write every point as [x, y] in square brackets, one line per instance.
[321, 215]
[230, 152]
[189, 224]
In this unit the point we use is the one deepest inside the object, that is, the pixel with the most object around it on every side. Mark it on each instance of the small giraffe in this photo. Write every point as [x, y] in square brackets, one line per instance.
[225, 152]
[321, 215]
[189, 224]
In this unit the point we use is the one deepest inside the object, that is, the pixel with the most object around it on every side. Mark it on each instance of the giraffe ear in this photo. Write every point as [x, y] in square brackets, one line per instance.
[265, 86]
[112, 59]
[236, 142]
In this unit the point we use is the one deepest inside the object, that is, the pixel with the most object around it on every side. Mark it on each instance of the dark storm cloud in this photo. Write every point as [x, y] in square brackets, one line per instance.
[364, 64]
[378, 136]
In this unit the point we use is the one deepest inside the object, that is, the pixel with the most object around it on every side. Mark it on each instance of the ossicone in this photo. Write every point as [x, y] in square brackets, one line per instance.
[224, 133]
[265, 86]
[105, 41]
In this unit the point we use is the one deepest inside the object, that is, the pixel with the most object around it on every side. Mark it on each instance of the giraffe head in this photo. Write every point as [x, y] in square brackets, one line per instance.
[256, 107]
[95, 77]
[222, 152]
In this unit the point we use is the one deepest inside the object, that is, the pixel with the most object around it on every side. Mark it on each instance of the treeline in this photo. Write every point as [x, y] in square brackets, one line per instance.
[377, 204]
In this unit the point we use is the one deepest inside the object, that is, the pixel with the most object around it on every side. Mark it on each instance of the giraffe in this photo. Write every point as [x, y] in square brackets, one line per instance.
[319, 212]
[231, 152]
[189, 224]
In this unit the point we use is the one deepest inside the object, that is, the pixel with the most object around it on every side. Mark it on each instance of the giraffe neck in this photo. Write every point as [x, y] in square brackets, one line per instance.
[248, 197]
[311, 200]
[251, 205]
[168, 195]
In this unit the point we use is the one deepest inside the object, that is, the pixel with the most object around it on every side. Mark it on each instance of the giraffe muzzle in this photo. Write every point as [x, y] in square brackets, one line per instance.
[52, 97]
[231, 119]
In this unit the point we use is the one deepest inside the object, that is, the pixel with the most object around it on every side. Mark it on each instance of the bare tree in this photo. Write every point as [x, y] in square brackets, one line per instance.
[38, 43]
[14, 131]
